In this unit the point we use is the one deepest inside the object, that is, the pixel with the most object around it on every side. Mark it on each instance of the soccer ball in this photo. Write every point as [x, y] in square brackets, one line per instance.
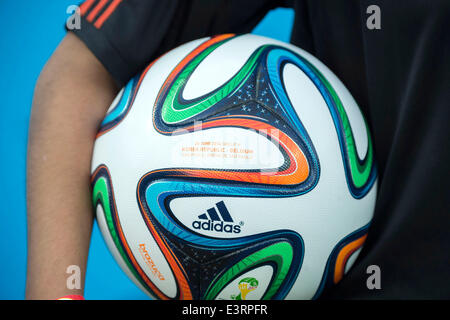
[234, 167]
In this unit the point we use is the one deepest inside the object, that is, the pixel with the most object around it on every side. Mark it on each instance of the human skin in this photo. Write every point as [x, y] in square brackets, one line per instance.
[71, 97]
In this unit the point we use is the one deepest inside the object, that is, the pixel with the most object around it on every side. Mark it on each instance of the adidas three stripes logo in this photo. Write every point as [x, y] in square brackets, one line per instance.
[214, 216]
[98, 11]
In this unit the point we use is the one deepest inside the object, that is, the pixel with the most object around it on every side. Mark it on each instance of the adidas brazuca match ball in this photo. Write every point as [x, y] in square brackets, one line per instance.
[234, 167]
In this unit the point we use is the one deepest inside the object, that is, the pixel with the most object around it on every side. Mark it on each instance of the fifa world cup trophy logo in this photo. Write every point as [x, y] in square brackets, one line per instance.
[245, 286]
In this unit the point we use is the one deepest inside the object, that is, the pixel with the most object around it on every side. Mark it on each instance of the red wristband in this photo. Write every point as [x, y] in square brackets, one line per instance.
[72, 297]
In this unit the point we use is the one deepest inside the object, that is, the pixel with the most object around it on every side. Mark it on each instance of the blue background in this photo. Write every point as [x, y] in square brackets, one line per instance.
[29, 32]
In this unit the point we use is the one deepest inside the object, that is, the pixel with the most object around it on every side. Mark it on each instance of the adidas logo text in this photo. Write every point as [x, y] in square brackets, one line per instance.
[217, 221]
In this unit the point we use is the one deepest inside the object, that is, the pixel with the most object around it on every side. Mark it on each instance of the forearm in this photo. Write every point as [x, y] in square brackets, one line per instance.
[71, 97]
